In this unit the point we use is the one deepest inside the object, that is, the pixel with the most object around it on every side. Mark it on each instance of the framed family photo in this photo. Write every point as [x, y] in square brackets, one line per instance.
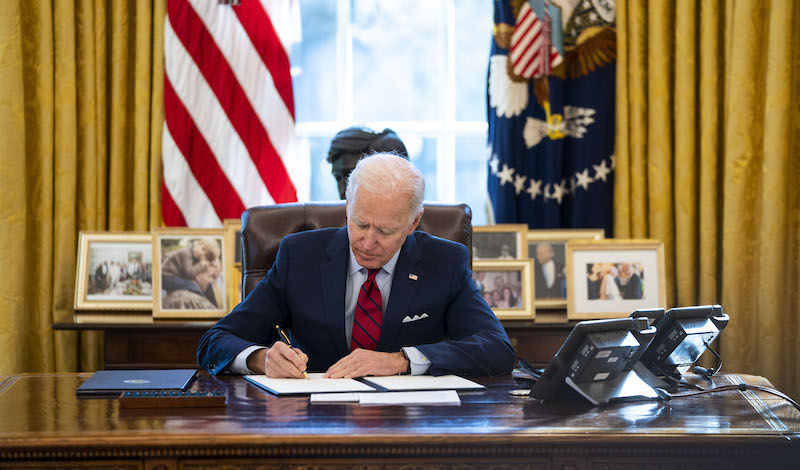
[612, 278]
[507, 287]
[233, 243]
[190, 273]
[501, 241]
[114, 271]
[547, 250]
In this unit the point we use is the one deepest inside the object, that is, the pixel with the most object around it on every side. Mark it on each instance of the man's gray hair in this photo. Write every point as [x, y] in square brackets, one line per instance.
[386, 173]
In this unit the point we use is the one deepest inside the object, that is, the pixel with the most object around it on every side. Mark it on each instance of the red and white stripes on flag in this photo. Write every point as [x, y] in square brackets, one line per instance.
[532, 55]
[229, 110]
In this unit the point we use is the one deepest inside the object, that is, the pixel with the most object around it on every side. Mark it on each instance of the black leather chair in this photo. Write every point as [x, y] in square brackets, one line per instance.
[264, 227]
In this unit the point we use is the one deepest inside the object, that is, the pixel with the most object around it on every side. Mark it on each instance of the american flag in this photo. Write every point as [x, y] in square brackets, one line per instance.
[532, 54]
[229, 109]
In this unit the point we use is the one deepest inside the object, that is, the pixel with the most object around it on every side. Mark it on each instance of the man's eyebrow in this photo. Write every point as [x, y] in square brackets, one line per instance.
[385, 227]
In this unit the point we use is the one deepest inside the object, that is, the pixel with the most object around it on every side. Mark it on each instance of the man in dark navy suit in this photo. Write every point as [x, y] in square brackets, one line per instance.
[549, 276]
[373, 298]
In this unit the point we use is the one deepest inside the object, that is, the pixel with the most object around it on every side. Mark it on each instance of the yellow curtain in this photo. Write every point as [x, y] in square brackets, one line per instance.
[80, 142]
[708, 160]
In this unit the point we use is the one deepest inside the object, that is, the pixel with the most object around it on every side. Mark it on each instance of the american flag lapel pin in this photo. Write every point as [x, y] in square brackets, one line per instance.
[413, 277]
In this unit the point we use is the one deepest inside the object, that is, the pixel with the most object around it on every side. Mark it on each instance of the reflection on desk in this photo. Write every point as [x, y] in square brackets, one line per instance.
[41, 419]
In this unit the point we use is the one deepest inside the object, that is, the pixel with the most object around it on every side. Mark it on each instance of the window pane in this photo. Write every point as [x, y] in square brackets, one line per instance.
[473, 26]
[422, 153]
[323, 184]
[314, 60]
[398, 59]
[471, 157]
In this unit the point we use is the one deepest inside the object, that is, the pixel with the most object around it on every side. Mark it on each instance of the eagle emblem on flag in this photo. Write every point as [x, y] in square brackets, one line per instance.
[550, 91]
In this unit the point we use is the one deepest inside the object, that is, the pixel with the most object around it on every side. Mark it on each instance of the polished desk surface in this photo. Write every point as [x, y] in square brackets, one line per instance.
[40, 417]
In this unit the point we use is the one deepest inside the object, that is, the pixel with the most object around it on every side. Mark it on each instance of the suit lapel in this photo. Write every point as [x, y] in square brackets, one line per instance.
[334, 274]
[407, 277]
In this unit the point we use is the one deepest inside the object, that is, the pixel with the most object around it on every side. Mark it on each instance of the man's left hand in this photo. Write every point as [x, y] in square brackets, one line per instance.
[363, 362]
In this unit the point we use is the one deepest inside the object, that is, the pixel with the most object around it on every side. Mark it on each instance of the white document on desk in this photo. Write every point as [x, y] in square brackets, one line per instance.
[436, 397]
[336, 398]
[396, 383]
[315, 383]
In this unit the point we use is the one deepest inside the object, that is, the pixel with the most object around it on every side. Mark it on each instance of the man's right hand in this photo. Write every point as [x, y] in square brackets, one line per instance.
[278, 361]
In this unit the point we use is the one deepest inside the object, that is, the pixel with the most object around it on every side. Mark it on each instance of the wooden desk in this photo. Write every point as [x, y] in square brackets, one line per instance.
[43, 423]
[162, 345]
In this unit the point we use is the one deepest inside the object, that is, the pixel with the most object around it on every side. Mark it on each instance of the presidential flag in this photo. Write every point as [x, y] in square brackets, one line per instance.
[550, 107]
[229, 109]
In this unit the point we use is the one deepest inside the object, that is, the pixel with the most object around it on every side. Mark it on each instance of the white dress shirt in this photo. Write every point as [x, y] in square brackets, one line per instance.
[549, 271]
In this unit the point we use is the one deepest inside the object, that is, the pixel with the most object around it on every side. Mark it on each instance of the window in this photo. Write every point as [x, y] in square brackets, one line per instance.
[415, 66]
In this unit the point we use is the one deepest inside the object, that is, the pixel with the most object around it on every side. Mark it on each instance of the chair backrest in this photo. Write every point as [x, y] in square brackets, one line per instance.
[264, 227]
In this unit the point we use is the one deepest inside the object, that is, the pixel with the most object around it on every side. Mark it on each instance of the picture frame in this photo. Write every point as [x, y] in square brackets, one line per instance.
[552, 293]
[190, 274]
[500, 241]
[233, 241]
[235, 286]
[114, 271]
[635, 265]
[493, 276]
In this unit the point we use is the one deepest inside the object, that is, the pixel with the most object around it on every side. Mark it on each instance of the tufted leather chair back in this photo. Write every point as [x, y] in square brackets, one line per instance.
[264, 227]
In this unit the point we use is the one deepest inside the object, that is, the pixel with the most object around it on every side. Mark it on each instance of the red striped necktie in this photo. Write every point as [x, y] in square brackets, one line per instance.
[367, 322]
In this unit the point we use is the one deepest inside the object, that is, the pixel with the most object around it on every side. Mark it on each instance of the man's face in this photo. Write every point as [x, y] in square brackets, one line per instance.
[377, 226]
[208, 276]
[625, 269]
[544, 253]
[341, 169]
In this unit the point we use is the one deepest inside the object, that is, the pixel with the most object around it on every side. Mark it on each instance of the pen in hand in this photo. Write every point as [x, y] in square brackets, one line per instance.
[285, 339]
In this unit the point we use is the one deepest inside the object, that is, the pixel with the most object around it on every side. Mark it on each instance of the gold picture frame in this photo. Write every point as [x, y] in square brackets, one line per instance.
[557, 240]
[233, 238]
[487, 275]
[499, 241]
[635, 266]
[195, 286]
[124, 262]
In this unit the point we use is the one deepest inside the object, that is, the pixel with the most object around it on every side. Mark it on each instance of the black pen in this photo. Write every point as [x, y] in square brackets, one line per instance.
[285, 339]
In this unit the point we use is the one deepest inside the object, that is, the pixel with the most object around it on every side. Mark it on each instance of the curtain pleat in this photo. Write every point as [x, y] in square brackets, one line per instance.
[685, 167]
[709, 130]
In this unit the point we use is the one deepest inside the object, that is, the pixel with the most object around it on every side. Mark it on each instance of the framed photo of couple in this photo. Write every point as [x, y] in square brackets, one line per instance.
[612, 278]
[547, 250]
[191, 273]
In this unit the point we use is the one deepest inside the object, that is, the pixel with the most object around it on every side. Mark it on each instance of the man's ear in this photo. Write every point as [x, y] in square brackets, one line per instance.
[415, 223]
